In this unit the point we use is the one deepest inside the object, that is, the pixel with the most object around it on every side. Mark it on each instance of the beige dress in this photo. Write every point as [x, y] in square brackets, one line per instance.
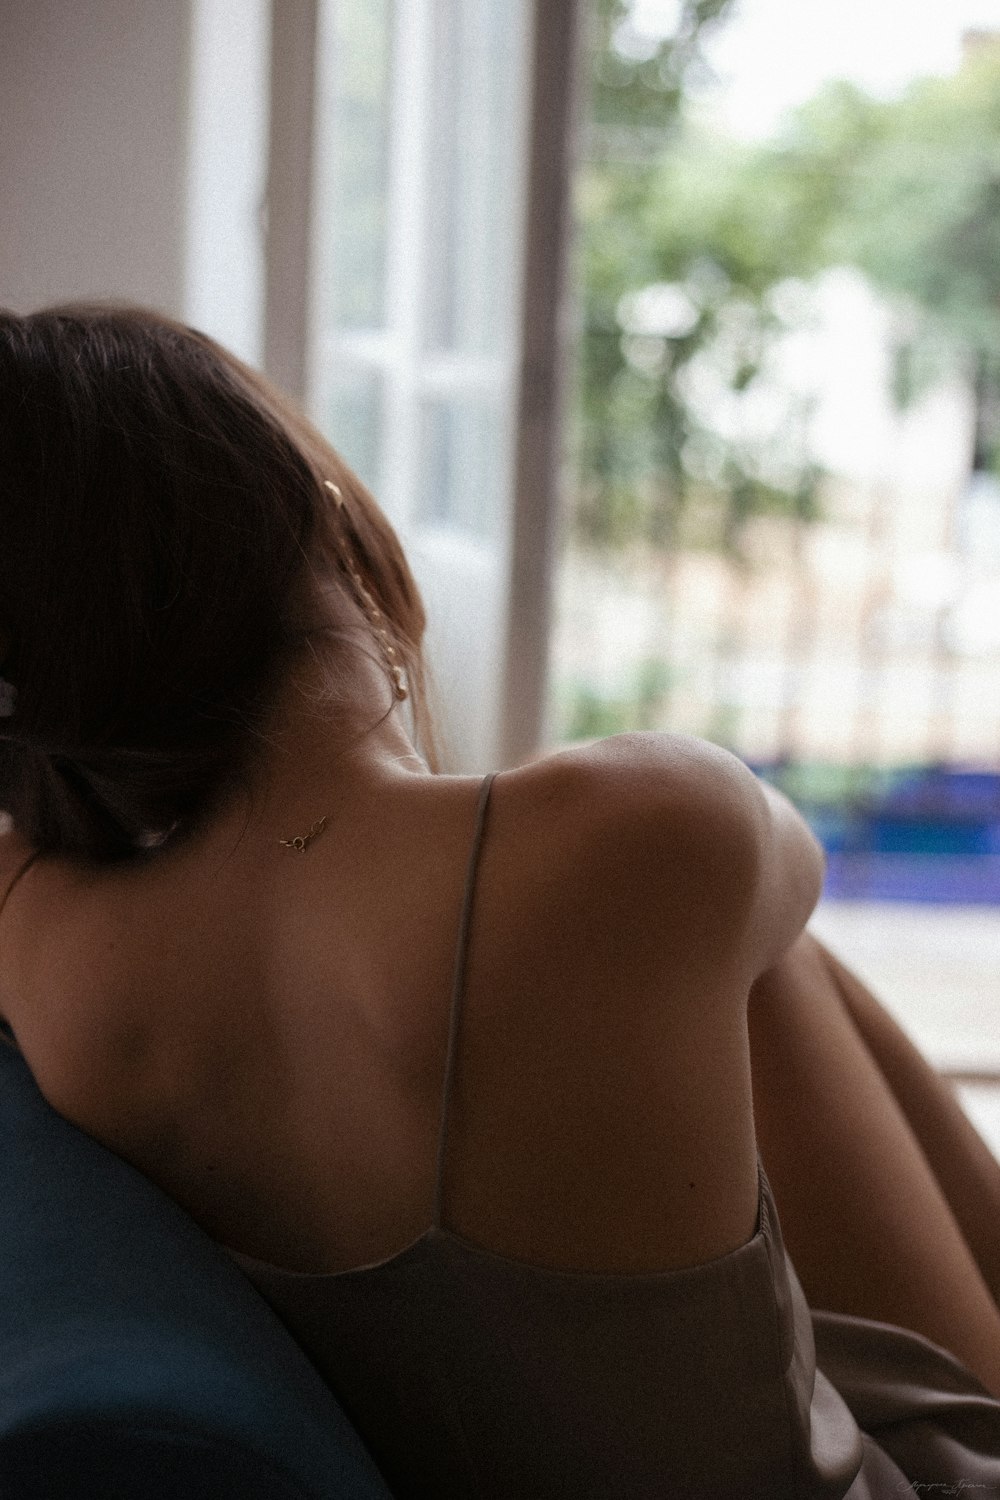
[472, 1376]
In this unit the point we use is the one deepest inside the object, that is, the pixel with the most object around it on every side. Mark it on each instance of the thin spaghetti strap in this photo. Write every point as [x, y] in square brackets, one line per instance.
[22, 871]
[457, 987]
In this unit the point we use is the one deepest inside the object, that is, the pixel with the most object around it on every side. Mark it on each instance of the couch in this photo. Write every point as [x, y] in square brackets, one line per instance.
[136, 1360]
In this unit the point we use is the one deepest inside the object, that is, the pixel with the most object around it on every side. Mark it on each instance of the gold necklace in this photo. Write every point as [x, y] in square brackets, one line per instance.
[302, 841]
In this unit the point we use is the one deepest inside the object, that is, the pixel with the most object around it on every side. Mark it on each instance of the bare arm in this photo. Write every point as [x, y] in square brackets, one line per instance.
[631, 892]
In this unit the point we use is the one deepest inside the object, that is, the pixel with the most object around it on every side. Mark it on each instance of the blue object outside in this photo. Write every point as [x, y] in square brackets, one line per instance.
[926, 834]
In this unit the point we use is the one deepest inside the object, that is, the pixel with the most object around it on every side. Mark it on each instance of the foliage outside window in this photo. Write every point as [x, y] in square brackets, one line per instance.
[702, 264]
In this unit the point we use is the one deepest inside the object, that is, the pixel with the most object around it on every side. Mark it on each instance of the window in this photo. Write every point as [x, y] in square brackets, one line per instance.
[421, 138]
[785, 504]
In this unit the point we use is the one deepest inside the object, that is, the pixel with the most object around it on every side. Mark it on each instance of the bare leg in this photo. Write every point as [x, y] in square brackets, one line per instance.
[866, 1221]
[965, 1167]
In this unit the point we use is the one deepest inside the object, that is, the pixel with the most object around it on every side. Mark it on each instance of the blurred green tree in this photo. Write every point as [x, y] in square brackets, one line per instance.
[918, 212]
[690, 248]
[678, 259]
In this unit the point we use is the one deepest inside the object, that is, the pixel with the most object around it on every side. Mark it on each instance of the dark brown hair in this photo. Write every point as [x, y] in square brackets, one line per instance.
[163, 522]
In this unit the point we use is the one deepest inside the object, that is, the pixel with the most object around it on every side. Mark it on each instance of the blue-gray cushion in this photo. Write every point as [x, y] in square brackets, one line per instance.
[136, 1360]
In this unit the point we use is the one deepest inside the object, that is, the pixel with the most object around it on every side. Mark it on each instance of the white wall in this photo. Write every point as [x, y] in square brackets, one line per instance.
[133, 141]
[93, 129]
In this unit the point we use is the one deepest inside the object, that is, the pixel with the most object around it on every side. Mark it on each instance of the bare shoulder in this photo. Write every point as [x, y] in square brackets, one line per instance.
[645, 838]
[633, 785]
[604, 1074]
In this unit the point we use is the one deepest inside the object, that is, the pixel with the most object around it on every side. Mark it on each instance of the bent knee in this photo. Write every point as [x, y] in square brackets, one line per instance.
[802, 968]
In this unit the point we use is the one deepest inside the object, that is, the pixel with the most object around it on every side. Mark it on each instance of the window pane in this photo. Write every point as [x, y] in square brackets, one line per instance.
[352, 420]
[475, 138]
[461, 463]
[352, 161]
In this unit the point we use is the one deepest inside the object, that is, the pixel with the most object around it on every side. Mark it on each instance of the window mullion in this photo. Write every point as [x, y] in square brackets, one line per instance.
[413, 64]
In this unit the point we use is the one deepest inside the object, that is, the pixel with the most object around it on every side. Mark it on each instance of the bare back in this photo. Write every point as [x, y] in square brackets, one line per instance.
[265, 1036]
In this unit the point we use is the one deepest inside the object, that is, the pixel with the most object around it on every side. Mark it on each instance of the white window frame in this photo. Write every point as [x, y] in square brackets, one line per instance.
[489, 596]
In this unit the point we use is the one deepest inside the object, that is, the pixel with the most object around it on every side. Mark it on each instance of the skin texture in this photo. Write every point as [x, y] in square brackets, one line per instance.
[263, 1032]
[887, 1196]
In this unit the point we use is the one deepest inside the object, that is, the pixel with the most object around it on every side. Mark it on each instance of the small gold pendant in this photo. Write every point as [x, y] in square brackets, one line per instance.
[302, 842]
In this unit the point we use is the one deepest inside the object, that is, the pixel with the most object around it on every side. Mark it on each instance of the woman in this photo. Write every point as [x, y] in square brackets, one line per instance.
[507, 1195]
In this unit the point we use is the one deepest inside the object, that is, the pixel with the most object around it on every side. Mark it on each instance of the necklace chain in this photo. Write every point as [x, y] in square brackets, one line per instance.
[302, 841]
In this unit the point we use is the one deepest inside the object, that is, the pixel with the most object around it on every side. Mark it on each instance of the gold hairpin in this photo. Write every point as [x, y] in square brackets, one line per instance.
[303, 840]
[376, 619]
